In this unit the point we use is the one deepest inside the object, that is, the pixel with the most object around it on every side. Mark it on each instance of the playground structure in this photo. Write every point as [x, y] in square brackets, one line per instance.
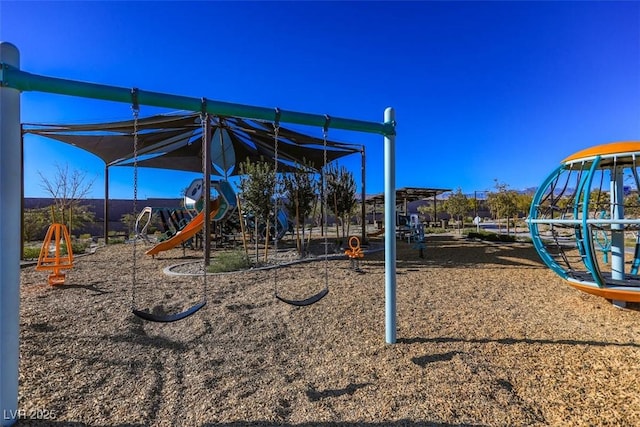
[417, 235]
[283, 225]
[172, 220]
[591, 204]
[221, 208]
[13, 81]
[411, 228]
[52, 257]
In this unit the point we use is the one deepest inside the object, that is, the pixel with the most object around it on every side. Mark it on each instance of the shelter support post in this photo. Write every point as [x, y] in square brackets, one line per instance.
[105, 221]
[10, 189]
[363, 195]
[389, 230]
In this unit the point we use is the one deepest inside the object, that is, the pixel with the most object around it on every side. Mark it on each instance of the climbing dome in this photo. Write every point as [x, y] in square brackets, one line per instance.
[585, 221]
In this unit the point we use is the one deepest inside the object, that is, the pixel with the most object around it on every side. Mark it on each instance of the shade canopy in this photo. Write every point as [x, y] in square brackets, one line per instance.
[409, 194]
[174, 141]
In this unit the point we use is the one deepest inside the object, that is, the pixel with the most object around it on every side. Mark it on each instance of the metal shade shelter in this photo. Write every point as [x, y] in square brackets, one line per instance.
[174, 142]
[407, 195]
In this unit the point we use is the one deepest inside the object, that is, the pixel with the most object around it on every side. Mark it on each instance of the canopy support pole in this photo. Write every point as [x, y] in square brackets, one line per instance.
[105, 220]
[363, 195]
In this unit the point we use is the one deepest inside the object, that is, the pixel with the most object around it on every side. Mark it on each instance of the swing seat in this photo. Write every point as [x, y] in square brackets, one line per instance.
[168, 318]
[305, 302]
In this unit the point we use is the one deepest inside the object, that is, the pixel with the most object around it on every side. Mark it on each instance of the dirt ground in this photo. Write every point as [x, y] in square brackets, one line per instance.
[487, 336]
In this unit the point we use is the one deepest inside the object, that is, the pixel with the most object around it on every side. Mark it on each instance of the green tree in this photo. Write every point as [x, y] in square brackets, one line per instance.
[523, 205]
[632, 205]
[502, 202]
[129, 221]
[36, 222]
[341, 196]
[301, 188]
[599, 202]
[457, 205]
[424, 210]
[257, 185]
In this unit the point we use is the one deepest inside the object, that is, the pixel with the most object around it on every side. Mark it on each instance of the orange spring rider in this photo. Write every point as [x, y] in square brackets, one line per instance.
[51, 256]
[354, 252]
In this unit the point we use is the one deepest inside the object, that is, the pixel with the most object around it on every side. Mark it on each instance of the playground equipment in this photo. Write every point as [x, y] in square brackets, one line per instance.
[585, 206]
[13, 80]
[277, 191]
[220, 208]
[172, 220]
[283, 225]
[52, 257]
[355, 253]
[417, 235]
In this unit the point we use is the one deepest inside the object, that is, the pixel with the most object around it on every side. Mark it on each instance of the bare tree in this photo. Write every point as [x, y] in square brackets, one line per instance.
[67, 188]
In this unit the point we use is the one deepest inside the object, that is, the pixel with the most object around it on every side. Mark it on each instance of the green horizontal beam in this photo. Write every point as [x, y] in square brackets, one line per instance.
[24, 81]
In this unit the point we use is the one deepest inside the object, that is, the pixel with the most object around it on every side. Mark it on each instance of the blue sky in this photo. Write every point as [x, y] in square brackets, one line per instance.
[482, 90]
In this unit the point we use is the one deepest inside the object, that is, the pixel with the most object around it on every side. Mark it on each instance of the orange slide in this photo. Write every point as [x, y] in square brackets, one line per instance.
[190, 230]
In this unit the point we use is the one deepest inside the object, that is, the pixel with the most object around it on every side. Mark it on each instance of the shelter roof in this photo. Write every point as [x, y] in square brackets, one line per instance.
[174, 141]
[409, 194]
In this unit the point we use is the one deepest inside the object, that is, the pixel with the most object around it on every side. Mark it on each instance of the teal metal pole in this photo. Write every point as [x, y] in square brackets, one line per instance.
[534, 228]
[589, 251]
[11, 76]
[390, 229]
[616, 194]
[10, 203]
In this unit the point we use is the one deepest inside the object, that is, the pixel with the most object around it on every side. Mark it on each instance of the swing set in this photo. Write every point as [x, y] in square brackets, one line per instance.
[13, 81]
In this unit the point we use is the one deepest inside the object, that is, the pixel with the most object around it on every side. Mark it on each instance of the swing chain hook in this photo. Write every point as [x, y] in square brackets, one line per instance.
[325, 128]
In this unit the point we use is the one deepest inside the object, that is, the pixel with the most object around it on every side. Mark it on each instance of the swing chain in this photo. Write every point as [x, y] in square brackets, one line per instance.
[325, 136]
[276, 132]
[135, 108]
[204, 117]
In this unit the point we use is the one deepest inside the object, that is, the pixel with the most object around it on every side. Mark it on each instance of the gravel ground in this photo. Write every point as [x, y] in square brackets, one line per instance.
[487, 336]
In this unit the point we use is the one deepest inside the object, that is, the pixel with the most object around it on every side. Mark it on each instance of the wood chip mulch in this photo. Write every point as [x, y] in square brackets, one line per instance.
[487, 336]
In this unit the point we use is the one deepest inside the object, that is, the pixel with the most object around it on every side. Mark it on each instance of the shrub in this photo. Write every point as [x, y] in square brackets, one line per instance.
[229, 261]
[31, 252]
[434, 230]
[491, 237]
